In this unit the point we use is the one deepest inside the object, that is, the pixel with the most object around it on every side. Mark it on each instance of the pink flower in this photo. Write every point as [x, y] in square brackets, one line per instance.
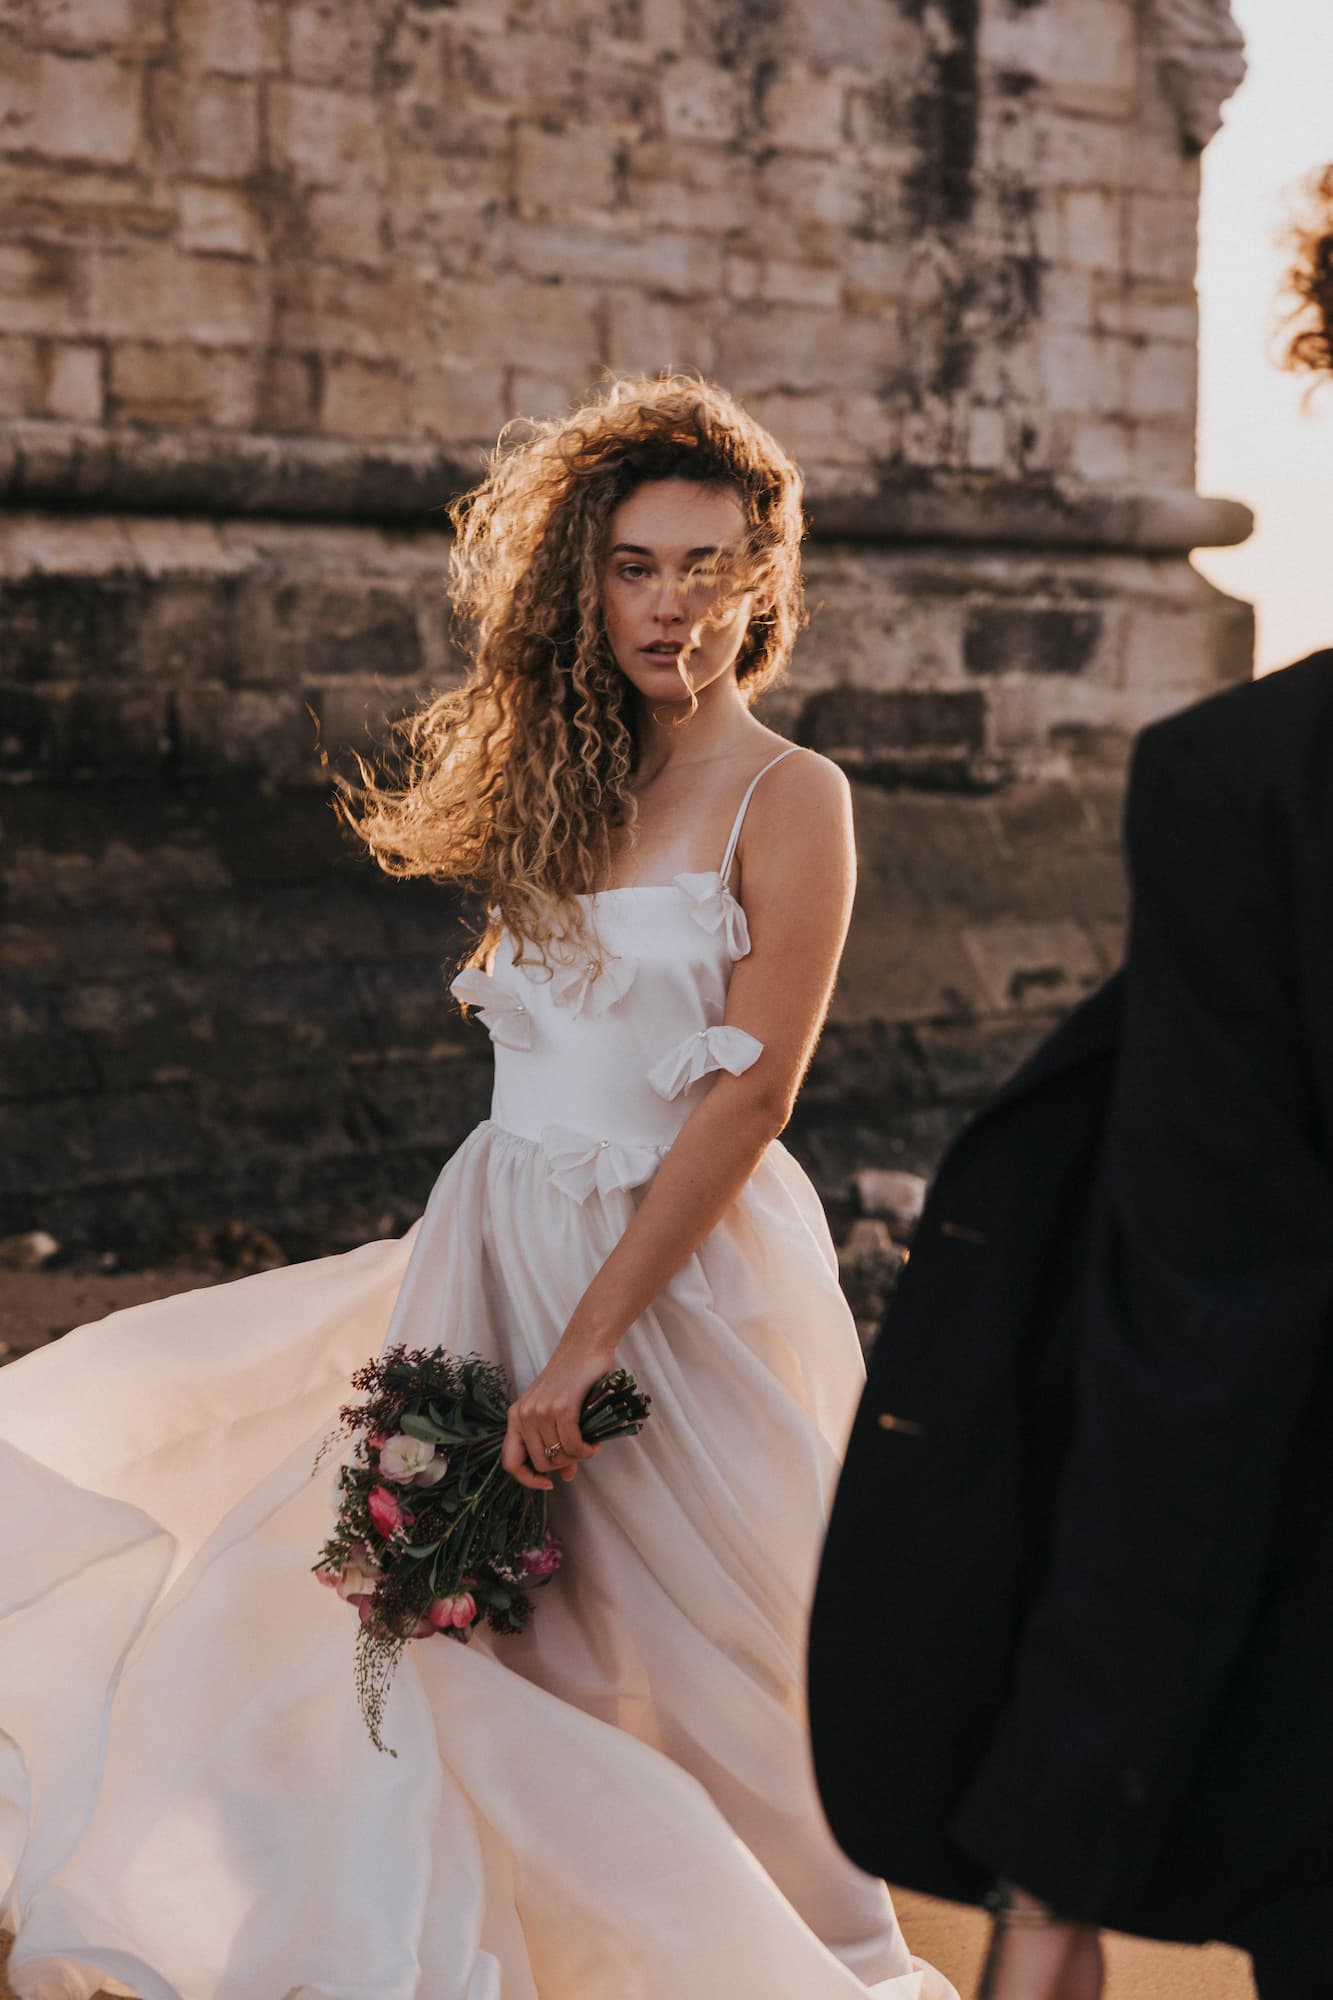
[384, 1510]
[546, 1560]
[458, 1612]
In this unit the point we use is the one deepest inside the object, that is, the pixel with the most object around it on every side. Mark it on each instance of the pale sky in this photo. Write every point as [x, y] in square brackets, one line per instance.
[1256, 441]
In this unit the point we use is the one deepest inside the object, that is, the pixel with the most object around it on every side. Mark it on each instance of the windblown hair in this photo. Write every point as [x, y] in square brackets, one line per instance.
[514, 784]
[1308, 348]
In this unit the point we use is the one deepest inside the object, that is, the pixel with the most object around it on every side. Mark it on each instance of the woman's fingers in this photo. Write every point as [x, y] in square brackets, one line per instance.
[518, 1458]
[531, 1430]
[571, 1437]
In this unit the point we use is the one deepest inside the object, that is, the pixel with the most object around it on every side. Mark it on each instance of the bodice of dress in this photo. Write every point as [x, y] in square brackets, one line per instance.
[601, 1069]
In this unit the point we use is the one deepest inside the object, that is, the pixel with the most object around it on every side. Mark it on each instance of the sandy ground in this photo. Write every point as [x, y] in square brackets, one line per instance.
[37, 1306]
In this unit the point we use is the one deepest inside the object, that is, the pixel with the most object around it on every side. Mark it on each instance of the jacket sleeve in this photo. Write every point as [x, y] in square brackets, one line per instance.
[1207, 1310]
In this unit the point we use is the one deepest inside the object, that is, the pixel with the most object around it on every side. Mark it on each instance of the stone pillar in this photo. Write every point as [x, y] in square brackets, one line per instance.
[274, 273]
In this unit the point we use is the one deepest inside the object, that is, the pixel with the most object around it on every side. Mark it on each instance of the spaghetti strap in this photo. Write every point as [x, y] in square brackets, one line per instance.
[725, 870]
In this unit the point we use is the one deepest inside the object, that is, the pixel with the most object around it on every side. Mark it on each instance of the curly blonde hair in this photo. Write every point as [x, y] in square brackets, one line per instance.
[514, 784]
[1309, 348]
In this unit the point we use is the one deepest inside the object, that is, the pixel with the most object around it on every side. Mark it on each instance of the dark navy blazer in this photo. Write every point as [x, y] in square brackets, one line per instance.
[1074, 1624]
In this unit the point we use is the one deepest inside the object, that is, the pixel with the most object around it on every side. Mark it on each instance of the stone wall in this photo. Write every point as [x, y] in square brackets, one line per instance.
[272, 275]
[956, 234]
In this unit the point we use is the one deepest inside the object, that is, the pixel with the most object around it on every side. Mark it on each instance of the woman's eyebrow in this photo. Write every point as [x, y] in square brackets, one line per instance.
[635, 549]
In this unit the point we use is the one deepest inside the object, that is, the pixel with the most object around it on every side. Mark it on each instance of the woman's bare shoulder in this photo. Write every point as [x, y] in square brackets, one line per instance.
[802, 809]
[803, 778]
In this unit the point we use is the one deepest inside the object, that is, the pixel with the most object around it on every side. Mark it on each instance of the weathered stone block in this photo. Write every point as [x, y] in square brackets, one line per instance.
[803, 107]
[987, 439]
[72, 382]
[645, 333]
[328, 42]
[559, 171]
[328, 137]
[1094, 225]
[1161, 382]
[78, 24]
[87, 108]
[819, 191]
[347, 228]
[39, 287]
[1083, 373]
[1163, 238]
[1102, 450]
[786, 347]
[967, 1062]
[700, 101]
[676, 265]
[362, 399]
[226, 730]
[461, 404]
[1032, 967]
[235, 37]
[860, 723]
[62, 732]
[1005, 639]
[511, 319]
[86, 1142]
[19, 376]
[158, 384]
[56, 627]
[315, 629]
[209, 124]
[218, 219]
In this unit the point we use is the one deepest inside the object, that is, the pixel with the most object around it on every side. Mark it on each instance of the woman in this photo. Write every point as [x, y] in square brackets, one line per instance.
[617, 1804]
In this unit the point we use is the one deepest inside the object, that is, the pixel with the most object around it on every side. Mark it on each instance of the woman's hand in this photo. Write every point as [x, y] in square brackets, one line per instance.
[546, 1415]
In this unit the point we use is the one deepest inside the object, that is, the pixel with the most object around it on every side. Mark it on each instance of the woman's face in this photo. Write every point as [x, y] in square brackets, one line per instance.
[673, 625]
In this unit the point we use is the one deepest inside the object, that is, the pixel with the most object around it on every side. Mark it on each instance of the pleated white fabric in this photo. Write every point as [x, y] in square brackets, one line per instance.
[616, 1806]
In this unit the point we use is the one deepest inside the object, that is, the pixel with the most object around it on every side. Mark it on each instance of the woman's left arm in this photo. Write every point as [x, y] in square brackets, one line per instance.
[799, 864]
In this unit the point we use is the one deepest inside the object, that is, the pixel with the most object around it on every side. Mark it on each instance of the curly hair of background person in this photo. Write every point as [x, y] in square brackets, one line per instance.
[1308, 346]
[515, 783]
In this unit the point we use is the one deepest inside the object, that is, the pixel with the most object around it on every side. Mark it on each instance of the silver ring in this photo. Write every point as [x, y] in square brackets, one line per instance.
[553, 1450]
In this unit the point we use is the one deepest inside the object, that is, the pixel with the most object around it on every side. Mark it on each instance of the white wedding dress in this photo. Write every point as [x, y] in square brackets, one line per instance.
[616, 1806]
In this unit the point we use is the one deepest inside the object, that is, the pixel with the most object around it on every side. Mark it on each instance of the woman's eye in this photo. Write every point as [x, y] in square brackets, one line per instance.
[632, 571]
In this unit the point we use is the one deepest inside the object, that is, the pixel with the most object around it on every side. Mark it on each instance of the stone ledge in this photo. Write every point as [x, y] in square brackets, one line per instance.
[221, 475]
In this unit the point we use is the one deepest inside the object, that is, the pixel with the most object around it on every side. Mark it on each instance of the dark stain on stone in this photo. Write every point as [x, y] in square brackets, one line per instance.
[1036, 979]
[1002, 639]
[743, 28]
[872, 720]
[941, 191]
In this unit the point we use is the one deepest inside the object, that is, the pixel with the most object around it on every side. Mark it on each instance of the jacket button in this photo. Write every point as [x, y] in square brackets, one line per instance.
[888, 1422]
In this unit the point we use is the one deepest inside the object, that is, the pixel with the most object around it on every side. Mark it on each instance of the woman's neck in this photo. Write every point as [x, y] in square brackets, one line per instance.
[671, 734]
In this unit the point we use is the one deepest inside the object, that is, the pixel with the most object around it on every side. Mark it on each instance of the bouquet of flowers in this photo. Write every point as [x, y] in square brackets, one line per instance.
[433, 1536]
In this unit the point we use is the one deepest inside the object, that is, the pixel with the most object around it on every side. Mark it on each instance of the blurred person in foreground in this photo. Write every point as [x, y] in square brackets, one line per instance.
[1104, 1408]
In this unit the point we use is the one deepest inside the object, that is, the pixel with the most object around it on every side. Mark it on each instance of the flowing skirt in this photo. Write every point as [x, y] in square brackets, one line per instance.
[617, 1805]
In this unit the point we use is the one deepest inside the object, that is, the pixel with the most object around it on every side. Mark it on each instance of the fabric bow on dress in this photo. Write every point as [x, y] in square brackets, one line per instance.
[579, 1165]
[506, 1017]
[714, 908]
[701, 1053]
[578, 985]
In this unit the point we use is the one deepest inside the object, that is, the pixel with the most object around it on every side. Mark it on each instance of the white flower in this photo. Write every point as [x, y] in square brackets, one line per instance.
[404, 1457]
[359, 1574]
